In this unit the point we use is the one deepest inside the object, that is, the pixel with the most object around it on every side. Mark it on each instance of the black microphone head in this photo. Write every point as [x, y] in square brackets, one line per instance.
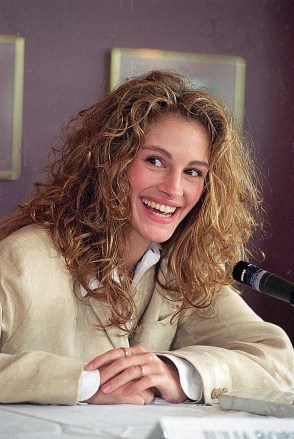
[239, 270]
[264, 281]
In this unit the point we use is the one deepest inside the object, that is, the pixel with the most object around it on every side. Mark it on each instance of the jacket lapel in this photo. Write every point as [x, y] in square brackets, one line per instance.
[118, 338]
[155, 328]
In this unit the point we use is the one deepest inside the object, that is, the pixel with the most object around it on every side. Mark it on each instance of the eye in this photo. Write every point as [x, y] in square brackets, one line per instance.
[155, 161]
[193, 172]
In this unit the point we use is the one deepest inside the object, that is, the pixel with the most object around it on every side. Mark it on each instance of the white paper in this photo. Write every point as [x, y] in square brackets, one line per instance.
[223, 428]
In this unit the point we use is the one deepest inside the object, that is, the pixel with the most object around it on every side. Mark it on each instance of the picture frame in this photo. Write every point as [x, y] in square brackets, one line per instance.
[11, 105]
[223, 75]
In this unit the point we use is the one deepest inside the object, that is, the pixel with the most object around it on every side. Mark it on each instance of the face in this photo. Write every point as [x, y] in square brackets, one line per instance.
[166, 179]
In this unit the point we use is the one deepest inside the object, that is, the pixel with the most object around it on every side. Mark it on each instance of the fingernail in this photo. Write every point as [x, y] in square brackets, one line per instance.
[106, 388]
[89, 366]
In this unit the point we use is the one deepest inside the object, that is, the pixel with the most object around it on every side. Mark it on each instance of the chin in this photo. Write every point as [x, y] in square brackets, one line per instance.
[159, 237]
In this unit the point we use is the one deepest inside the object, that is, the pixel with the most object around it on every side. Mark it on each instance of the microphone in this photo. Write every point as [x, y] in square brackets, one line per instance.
[264, 281]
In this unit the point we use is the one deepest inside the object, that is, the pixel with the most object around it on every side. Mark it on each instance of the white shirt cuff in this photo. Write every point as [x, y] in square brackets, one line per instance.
[88, 385]
[190, 379]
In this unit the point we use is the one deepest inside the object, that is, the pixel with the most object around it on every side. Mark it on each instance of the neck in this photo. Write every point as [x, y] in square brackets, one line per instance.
[132, 262]
[133, 254]
[135, 248]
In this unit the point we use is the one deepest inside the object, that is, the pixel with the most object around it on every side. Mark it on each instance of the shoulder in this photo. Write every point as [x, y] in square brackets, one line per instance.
[226, 308]
[34, 279]
[30, 263]
[30, 248]
[29, 239]
[29, 233]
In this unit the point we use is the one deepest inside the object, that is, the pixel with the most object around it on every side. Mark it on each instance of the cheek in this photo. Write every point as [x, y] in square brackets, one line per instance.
[137, 184]
[194, 195]
[139, 178]
[134, 176]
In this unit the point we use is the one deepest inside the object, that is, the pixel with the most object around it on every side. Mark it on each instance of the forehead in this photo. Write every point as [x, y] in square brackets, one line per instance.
[179, 138]
[171, 124]
[175, 118]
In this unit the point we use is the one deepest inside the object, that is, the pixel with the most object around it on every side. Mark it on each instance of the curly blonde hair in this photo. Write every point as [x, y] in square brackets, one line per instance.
[85, 201]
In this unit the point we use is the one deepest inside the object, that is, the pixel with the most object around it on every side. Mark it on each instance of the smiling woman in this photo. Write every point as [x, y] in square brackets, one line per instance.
[166, 179]
[115, 278]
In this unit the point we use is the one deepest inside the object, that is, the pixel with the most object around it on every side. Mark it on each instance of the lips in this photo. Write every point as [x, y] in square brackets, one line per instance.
[161, 210]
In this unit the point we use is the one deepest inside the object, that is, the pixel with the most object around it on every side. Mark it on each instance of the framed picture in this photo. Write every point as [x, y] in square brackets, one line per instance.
[11, 97]
[224, 76]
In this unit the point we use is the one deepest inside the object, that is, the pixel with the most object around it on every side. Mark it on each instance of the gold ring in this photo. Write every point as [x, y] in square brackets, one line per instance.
[142, 370]
[125, 352]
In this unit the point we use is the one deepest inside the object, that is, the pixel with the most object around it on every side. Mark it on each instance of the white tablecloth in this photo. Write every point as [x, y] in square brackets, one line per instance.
[184, 421]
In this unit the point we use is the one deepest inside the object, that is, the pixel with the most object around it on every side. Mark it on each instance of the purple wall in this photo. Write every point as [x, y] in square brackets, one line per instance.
[67, 66]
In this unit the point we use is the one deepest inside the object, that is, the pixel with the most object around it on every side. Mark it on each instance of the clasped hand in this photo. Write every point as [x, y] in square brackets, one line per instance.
[134, 376]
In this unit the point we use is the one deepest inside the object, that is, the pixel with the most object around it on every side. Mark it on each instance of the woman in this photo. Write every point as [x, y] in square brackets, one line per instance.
[115, 277]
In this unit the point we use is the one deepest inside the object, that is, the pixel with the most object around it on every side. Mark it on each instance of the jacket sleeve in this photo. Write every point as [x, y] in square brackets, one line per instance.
[29, 376]
[39, 377]
[233, 349]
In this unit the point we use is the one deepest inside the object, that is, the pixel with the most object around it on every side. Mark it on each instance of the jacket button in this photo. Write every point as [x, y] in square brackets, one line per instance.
[215, 393]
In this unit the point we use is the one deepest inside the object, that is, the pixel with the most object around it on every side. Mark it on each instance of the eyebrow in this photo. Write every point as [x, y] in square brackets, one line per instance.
[168, 155]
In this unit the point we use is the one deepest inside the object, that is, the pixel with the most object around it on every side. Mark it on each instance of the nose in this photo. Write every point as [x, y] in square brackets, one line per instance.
[172, 185]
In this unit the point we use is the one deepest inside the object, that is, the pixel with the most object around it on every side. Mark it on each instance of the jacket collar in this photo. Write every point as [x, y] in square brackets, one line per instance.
[117, 336]
[150, 258]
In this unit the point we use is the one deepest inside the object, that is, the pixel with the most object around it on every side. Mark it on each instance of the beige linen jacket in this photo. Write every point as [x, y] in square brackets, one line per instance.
[48, 331]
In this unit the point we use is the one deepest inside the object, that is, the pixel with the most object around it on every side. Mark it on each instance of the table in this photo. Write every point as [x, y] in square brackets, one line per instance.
[182, 421]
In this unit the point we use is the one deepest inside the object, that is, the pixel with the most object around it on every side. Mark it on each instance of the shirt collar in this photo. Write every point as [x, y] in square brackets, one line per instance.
[150, 258]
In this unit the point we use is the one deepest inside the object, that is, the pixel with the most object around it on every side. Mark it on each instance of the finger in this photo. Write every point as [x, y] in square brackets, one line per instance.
[120, 399]
[130, 374]
[144, 397]
[148, 396]
[106, 358]
[127, 367]
[151, 382]
[112, 355]
[167, 386]
[139, 386]
[163, 380]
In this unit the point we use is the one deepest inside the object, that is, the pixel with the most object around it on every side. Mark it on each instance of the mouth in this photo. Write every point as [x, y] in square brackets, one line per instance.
[160, 210]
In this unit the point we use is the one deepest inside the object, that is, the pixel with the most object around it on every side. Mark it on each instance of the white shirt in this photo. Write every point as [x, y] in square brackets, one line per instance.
[189, 377]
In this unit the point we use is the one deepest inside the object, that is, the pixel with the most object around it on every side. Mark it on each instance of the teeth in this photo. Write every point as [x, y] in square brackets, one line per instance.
[161, 207]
